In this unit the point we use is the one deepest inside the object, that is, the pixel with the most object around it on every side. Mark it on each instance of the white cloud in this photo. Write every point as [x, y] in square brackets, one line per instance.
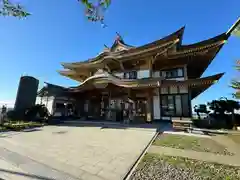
[9, 103]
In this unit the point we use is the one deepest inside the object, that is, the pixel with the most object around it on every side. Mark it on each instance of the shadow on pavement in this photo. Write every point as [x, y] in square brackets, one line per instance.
[9, 133]
[159, 126]
[24, 174]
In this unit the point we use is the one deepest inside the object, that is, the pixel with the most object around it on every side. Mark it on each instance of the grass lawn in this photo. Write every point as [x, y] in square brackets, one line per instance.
[190, 143]
[154, 166]
[235, 137]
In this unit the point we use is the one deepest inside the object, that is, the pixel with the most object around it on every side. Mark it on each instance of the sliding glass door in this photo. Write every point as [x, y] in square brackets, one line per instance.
[175, 105]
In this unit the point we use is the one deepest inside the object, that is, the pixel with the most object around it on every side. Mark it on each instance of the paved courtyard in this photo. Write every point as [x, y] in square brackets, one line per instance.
[63, 152]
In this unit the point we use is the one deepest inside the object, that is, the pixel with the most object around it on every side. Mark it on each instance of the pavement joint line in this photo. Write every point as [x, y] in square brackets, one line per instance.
[135, 164]
[35, 156]
[40, 163]
[87, 172]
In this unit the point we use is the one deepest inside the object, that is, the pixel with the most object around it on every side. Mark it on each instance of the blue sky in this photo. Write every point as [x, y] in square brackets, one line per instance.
[58, 32]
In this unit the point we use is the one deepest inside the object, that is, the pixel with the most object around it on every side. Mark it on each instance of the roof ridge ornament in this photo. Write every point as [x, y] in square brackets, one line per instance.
[118, 37]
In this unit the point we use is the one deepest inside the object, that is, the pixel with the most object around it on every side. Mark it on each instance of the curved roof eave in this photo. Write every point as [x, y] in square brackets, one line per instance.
[109, 78]
[176, 35]
[211, 79]
[206, 42]
[189, 51]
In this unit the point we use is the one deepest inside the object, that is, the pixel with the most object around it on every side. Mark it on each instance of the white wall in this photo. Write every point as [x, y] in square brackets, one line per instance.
[156, 107]
[119, 75]
[47, 101]
[156, 99]
[183, 89]
[178, 79]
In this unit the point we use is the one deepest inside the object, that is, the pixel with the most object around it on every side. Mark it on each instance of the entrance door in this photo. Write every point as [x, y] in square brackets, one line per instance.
[141, 110]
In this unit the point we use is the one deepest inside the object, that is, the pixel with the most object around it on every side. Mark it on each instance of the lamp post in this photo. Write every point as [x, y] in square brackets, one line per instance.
[65, 108]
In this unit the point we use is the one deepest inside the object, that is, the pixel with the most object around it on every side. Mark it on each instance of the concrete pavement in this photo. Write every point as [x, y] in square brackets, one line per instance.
[62, 152]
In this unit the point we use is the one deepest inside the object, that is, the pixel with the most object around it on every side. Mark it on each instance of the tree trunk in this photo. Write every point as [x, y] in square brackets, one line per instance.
[1, 119]
[233, 121]
[198, 115]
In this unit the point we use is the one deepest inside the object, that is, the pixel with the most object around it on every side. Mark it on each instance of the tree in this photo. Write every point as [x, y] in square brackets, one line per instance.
[94, 11]
[224, 105]
[3, 114]
[201, 108]
[230, 107]
[36, 111]
[236, 83]
[8, 8]
[217, 106]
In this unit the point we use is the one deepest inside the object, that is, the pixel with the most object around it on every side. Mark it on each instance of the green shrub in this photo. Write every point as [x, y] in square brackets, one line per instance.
[20, 125]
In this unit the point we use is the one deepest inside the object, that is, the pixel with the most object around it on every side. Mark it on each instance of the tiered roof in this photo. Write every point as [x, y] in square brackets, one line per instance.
[163, 53]
[120, 56]
[103, 77]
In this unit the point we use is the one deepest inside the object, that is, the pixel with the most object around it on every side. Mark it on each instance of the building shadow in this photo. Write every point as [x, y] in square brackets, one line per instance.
[24, 175]
[31, 130]
[158, 126]
[10, 133]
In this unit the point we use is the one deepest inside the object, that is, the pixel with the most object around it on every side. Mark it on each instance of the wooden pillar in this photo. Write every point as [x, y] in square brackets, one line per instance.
[150, 66]
[185, 72]
[189, 102]
[149, 107]
[149, 104]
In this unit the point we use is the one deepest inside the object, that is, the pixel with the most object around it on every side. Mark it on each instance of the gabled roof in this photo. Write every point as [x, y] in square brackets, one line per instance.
[51, 90]
[119, 42]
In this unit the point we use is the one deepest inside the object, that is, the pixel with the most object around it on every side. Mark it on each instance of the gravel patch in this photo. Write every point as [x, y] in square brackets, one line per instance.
[191, 143]
[159, 167]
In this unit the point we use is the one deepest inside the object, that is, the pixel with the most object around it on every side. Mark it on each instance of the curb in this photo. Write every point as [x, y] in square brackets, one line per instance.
[135, 164]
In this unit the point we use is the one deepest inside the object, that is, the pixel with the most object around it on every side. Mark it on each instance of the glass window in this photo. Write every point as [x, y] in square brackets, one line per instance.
[185, 105]
[163, 74]
[178, 105]
[180, 72]
[171, 110]
[133, 75]
[175, 105]
[173, 73]
[127, 75]
[130, 75]
[164, 104]
[167, 105]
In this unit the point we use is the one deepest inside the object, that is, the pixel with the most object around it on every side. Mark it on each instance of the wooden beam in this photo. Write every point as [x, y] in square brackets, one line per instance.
[107, 67]
[185, 72]
[150, 66]
[121, 66]
[149, 107]
[165, 50]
